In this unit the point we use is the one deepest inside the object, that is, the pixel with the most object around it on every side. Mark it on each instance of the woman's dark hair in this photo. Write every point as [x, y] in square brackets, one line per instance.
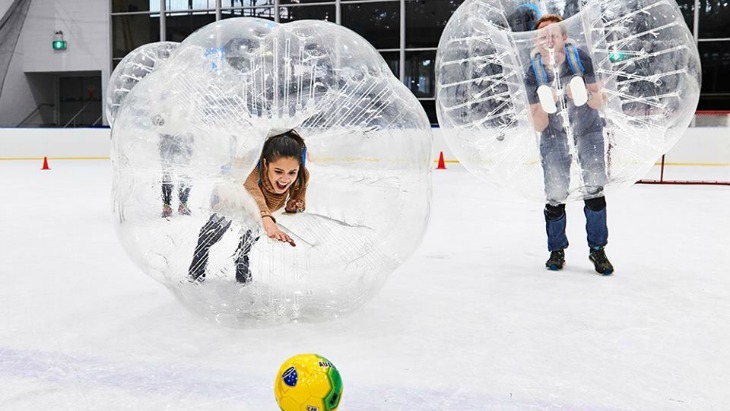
[288, 144]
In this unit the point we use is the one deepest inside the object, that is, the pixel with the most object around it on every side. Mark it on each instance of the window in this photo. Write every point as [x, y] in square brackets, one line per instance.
[245, 3]
[392, 59]
[379, 23]
[420, 75]
[130, 6]
[425, 21]
[259, 12]
[173, 5]
[137, 22]
[714, 18]
[430, 107]
[688, 12]
[715, 56]
[178, 26]
[291, 13]
[284, 2]
[132, 31]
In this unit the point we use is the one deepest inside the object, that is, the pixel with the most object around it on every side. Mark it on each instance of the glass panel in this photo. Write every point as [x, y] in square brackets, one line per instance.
[715, 58]
[430, 107]
[290, 13]
[420, 77]
[120, 6]
[711, 119]
[425, 21]
[179, 25]
[130, 32]
[245, 3]
[688, 11]
[714, 18]
[283, 2]
[393, 60]
[260, 12]
[173, 5]
[714, 102]
[379, 23]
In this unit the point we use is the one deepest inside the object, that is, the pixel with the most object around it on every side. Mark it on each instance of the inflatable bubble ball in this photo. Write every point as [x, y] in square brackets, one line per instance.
[269, 173]
[562, 101]
[131, 70]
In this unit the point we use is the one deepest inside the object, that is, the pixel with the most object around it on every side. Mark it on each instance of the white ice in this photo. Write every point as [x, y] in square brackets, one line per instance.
[472, 322]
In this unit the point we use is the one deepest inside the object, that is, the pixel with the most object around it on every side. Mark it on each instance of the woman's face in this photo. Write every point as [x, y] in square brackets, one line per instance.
[282, 173]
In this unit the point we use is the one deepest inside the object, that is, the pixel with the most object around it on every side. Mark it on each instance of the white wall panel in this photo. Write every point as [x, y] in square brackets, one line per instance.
[702, 154]
[85, 24]
[34, 143]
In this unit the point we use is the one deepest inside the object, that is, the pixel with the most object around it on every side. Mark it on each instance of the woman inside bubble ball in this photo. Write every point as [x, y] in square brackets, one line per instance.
[279, 181]
[583, 97]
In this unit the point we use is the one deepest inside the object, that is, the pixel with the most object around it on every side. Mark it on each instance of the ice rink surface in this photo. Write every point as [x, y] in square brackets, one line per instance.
[472, 321]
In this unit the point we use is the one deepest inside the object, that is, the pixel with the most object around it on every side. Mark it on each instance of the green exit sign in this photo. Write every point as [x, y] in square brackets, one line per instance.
[59, 44]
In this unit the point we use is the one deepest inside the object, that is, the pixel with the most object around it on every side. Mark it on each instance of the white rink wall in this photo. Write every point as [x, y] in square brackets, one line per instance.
[705, 151]
[54, 143]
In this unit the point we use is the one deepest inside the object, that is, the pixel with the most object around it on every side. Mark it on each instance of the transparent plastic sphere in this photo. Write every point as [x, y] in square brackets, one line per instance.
[572, 110]
[196, 128]
[131, 70]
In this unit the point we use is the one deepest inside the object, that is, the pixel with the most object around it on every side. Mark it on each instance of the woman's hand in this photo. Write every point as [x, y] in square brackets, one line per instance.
[273, 231]
[294, 206]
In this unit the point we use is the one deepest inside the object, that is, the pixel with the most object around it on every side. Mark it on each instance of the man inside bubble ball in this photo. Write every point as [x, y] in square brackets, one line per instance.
[564, 101]
[278, 181]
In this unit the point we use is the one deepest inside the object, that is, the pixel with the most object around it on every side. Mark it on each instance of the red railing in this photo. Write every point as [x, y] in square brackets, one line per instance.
[661, 179]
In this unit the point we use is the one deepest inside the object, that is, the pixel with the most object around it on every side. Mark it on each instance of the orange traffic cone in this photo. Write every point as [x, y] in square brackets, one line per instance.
[45, 164]
[442, 163]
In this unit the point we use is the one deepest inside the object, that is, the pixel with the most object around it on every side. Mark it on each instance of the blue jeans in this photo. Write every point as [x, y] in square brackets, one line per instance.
[556, 163]
[596, 229]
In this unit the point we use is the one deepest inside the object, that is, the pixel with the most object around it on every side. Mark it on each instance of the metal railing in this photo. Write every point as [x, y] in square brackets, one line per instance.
[73, 119]
[33, 113]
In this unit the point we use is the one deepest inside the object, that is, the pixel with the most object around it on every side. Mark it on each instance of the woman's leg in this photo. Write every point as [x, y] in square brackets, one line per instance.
[210, 234]
[243, 272]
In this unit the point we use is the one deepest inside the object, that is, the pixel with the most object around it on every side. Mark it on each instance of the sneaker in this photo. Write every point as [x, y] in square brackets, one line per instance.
[192, 279]
[556, 260]
[183, 209]
[166, 211]
[196, 272]
[243, 273]
[600, 261]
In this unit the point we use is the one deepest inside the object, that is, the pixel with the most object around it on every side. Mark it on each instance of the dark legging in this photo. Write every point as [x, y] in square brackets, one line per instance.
[210, 234]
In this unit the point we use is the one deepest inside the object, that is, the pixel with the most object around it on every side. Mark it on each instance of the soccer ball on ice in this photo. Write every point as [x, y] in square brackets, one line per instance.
[308, 382]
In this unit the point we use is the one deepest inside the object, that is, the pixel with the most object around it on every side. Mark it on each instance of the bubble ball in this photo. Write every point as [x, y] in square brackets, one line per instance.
[131, 70]
[597, 98]
[193, 130]
[308, 382]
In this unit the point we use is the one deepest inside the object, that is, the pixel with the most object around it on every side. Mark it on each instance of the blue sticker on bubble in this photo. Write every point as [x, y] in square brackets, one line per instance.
[290, 377]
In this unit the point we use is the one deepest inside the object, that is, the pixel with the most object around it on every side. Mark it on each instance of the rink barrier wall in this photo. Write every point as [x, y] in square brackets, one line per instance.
[54, 143]
[700, 146]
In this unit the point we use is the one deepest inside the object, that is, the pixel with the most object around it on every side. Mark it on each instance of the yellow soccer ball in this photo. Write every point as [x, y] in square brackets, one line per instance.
[308, 382]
